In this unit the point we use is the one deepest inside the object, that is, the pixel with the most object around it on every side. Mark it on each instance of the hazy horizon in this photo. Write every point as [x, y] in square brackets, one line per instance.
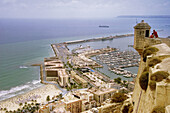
[81, 9]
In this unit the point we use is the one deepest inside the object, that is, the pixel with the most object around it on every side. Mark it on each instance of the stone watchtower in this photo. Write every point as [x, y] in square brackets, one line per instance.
[142, 31]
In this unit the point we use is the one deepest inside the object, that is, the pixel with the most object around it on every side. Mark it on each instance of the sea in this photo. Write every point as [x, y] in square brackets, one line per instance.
[24, 42]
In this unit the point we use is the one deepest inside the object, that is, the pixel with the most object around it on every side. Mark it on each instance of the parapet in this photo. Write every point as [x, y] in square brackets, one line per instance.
[152, 41]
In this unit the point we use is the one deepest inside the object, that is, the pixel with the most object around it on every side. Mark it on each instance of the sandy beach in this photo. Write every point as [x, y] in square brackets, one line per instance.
[39, 94]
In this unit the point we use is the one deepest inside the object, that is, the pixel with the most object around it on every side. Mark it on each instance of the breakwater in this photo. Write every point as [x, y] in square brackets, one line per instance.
[98, 39]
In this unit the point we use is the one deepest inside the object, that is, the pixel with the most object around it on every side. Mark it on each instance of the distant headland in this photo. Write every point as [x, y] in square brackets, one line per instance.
[144, 16]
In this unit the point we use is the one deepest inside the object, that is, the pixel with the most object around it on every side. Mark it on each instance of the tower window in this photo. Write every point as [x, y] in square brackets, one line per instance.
[147, 33]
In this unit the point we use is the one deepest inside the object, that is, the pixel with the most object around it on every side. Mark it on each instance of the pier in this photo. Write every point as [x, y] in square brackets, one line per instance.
[98, 39]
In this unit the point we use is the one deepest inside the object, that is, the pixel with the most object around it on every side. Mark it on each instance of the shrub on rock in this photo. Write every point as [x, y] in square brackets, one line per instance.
[159, 76]
[118, 98]
[143, 80]
[152, 85]
[154, 61]
[158, 110]
[149, 51]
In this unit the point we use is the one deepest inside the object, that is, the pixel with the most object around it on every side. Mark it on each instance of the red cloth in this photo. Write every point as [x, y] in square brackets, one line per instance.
[155, 33]
[151, 36]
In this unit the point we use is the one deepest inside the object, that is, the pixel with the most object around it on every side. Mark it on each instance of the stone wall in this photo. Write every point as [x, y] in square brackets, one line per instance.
[166, 41]
[145, 101]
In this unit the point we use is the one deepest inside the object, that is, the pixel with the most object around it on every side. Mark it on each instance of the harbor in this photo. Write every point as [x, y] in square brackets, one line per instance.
[117, 61]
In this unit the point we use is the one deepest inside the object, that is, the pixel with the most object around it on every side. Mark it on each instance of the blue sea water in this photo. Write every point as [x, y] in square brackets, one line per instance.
[27, 41]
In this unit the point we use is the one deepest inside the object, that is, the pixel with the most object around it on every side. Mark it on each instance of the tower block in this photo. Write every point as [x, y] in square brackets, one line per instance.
[141, 31]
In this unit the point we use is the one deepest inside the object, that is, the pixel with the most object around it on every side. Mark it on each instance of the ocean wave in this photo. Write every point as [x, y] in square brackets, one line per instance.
[14, 89]
[23, 67]
[4, 94]
[35, 81]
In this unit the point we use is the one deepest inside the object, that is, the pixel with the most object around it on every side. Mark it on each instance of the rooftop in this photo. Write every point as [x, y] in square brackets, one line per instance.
[103, 90]
[70, 98]
[142, 25]
[81, 79]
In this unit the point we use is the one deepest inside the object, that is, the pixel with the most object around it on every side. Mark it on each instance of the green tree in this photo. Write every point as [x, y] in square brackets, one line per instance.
[18, 110]
[32, 103]
[117, 80]
[60, 95]
[118, 98]
[5, 109]
[20, 104]
[48, 98]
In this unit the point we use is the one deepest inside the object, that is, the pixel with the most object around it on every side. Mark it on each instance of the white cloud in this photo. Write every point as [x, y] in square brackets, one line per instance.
[80, 8]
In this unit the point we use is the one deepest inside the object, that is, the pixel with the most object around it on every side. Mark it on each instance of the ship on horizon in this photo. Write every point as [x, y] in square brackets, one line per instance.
[104, 26]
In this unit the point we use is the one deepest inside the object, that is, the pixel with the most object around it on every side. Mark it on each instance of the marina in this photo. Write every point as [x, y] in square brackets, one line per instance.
[117, 61]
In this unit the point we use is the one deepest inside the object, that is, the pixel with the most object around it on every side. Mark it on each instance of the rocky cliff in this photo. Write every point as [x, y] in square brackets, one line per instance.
[152, 85]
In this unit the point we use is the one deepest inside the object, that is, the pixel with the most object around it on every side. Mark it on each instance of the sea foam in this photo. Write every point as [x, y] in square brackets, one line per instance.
[5, 94]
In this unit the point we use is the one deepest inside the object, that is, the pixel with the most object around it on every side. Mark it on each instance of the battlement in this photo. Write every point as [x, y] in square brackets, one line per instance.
[142, 37]
[141, 31]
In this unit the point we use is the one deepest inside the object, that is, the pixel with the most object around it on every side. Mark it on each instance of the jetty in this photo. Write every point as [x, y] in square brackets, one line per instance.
[98, 39]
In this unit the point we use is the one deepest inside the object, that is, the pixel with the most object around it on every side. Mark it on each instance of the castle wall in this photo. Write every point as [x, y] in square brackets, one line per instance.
[166, 41]
[162, 94]
[145, 101]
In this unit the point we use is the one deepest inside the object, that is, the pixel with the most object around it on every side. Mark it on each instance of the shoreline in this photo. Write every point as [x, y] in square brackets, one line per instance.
[39, 94]
[21, 94]
[7, 100]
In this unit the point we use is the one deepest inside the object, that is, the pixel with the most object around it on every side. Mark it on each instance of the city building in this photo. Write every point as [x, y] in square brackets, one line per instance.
[56, 107]
[63, 78]
[55, 71]
[52, 65]
[102, 93]
[72, 104]
[78, 79]
[87, 98]
[46, 108]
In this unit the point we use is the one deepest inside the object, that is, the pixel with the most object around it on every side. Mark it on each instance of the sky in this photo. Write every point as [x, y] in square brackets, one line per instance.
[81, 8]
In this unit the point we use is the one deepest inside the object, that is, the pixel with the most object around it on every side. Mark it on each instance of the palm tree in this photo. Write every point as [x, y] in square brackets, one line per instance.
[35, 100]
[18, 110]
[32, 103]
[61, 95]
[20, 104]
[25, 105]
[48, 98]
[37, 107]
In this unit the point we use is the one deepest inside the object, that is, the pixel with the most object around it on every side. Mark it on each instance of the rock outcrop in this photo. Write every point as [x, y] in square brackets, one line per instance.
[144, 101]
